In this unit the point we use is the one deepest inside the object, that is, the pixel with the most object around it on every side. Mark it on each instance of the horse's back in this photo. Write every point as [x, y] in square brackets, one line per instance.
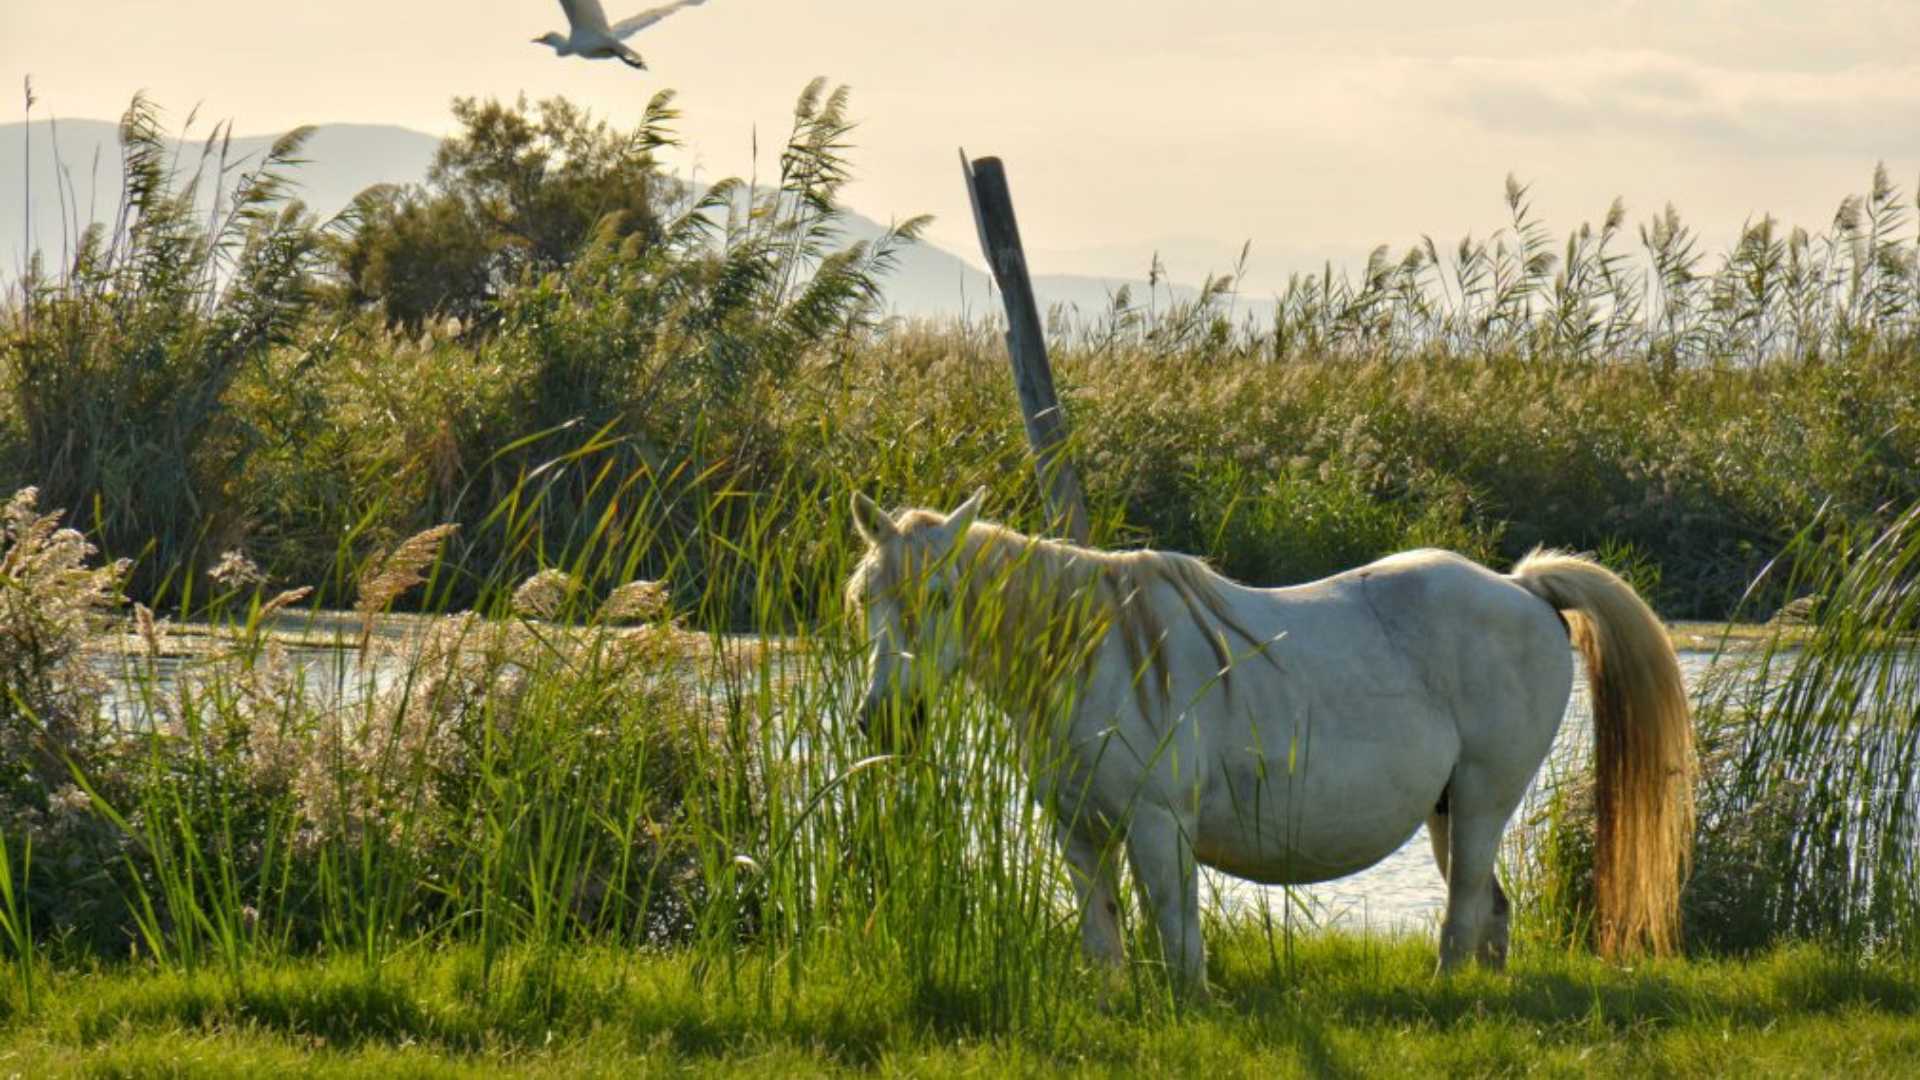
[1473, 633]
[1431, 593]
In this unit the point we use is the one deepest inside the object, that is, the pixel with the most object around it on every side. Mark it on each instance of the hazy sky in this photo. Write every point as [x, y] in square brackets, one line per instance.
[1310, 129]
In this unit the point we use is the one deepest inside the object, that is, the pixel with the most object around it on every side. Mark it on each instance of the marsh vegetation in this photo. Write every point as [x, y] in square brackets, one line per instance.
[585, 808]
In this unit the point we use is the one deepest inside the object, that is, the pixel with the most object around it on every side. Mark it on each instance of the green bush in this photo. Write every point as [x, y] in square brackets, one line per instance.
[517, 193]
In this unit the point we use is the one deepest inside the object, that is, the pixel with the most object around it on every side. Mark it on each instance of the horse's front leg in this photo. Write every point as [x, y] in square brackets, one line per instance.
[1160, 847]
[1089, 854]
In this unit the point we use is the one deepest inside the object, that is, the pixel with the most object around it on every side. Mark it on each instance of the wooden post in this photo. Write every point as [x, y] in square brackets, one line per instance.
[1026, 345]
[26, 211]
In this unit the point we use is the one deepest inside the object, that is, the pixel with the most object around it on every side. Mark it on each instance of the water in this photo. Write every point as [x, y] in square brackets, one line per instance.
[333, 677]
[1404, 891]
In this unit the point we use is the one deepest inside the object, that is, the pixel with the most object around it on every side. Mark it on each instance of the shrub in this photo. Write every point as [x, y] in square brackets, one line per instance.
[517, 193]
[54, 724]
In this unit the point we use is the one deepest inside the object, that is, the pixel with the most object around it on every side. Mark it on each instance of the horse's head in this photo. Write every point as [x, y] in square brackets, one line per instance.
[909, 589]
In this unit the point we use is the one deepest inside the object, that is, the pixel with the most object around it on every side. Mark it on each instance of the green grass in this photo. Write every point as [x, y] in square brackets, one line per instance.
[1343, 1006]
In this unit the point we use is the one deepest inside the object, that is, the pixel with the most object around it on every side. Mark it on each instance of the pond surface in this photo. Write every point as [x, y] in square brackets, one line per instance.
[332, 677]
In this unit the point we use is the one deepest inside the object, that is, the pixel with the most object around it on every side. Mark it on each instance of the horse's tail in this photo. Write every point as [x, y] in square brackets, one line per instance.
[1643, 750]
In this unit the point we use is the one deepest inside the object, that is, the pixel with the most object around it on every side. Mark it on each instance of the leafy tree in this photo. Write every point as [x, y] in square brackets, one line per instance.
[518, 192]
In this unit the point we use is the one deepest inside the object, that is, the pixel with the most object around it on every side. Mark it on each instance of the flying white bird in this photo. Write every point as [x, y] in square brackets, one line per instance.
[589, 35]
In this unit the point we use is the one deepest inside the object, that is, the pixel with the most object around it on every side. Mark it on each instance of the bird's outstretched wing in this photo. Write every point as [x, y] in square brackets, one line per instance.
[633, 24]
[585, 15]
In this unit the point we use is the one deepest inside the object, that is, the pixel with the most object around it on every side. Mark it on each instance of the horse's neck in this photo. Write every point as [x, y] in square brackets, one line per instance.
[1027, 614]
[1020, 576]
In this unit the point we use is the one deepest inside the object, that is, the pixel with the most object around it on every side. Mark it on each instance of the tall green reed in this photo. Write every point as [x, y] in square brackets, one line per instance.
[16, 921]
[120, 370]
[536, 775]
[1816, 807]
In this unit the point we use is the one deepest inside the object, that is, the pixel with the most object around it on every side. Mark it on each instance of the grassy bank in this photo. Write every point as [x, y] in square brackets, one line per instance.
[1335, 1006]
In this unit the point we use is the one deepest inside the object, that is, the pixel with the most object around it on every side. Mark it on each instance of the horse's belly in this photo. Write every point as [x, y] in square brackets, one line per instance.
[1327, 823]
[1295, 863]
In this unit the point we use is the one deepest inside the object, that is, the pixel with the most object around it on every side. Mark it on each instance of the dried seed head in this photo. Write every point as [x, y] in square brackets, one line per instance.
[542, 595]
[402, 569]
[236, 571]
[149, 629]
[636, 600]
[285, 599]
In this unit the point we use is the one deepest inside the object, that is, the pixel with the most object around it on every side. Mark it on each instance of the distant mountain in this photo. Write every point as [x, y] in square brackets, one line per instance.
[84, 156]
[76, 179]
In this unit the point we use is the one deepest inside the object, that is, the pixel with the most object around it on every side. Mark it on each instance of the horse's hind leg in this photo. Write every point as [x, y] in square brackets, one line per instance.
[1493, 939]
[1492, 950]
[1477, 916]
[1437, 830]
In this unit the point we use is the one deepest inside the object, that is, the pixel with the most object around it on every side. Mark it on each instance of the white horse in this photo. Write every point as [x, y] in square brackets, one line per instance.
[1292, 735]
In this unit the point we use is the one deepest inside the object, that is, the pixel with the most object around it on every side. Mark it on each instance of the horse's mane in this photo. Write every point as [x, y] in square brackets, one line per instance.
[1062, 587]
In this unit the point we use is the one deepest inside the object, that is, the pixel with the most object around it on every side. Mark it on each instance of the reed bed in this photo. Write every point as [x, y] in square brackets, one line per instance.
[191, 384]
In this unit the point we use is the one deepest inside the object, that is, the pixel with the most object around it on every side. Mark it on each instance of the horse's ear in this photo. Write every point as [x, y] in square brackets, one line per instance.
[964, 515]
[874, 524]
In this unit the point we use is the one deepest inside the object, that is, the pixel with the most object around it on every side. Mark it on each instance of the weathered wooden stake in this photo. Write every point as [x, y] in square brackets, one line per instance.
[1026, 345]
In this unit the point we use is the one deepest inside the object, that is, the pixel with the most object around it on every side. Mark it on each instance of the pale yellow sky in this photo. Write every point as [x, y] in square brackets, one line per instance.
[1312, 130]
